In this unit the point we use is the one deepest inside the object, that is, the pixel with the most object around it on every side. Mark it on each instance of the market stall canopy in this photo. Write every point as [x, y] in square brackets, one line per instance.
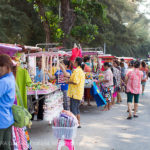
[107, 57]
[93, 53]
[9, 49]
[31, 49]
[126, 58]
[39, 54]
[63, 53]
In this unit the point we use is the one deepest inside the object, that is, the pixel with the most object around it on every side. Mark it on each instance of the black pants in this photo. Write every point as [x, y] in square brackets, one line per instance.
[5, 138]
[40, 109]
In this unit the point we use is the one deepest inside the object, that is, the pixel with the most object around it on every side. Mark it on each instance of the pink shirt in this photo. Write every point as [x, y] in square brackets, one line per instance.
[134, 81]
[108, 76]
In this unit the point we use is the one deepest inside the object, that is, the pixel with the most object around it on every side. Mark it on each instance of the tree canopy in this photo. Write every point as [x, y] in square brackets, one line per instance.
[118, 23]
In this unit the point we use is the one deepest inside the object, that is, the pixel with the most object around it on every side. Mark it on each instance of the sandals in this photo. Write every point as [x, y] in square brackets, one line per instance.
[129, 118]
[135, 116]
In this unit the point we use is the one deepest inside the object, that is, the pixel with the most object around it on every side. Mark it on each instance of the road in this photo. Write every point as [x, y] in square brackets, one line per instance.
[103, 130]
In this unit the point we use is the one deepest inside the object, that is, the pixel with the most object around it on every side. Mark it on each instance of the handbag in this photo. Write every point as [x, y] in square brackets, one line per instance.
[21, 115]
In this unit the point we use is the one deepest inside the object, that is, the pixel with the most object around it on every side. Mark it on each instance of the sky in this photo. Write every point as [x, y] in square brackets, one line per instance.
[145, 8]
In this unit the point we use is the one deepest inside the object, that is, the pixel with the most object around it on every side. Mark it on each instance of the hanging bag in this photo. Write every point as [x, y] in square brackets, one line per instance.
[21, 115]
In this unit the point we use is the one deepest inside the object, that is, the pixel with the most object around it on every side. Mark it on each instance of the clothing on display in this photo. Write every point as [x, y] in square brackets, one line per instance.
[23, 80]
[20, 139]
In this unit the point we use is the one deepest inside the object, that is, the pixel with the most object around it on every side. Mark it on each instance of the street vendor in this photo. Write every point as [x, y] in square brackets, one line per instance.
[39, 72]
[39, 78]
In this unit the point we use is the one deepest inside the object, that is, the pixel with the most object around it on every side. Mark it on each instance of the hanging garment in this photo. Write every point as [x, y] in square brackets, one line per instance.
[20, 138]
[23, 80]
[75, 53]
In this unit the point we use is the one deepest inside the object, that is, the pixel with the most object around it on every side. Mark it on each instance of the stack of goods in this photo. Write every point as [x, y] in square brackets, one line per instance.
[101, 77]
[88, 80]
[65, 126]
[40, 86]
[37, 86]
[53, 105]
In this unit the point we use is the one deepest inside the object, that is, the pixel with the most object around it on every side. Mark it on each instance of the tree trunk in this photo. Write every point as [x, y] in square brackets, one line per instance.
[45, 20]
[68, 16]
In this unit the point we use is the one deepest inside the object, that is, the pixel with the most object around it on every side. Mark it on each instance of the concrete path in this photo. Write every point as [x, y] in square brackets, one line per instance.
[103, 130]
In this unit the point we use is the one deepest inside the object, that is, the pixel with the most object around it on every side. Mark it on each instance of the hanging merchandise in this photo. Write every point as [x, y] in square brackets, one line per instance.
[76, 52]
[20, 139]
[32, 66]
[53, 105]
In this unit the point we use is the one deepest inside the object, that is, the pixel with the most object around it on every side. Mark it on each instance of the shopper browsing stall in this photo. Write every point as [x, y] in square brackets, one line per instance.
[108, 83]
[87, 67]
[7, 98]
[87, 70]
[76, 88]
[116, 65]
[60, 76]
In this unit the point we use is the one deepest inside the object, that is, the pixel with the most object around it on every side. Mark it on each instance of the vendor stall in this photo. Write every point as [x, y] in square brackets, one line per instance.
[44, 89]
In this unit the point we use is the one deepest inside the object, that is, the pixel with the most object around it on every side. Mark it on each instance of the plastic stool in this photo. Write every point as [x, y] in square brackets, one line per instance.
[67, 143]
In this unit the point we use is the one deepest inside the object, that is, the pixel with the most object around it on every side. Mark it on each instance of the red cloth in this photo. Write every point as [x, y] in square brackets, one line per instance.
[76, 52]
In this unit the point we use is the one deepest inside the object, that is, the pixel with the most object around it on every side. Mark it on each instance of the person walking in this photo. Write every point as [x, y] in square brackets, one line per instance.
[7, 98]
[76, 88]
[133, 80]
[145, 71]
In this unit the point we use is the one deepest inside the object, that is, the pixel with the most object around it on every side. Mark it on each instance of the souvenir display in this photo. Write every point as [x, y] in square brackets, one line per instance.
[53, 105]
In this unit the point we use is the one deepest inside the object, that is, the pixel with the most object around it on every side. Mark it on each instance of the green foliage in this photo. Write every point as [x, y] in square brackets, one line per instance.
[85, 29]
[85, 33]
[14, 29]
[96, 22]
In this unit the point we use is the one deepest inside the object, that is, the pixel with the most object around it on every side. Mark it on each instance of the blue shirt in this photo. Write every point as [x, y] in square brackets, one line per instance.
[39, 75]
[61, 79]
[7, 98]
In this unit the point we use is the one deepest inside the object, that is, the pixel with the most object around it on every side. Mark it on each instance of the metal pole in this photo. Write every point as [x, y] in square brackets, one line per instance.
[104, 48]
[59, 9]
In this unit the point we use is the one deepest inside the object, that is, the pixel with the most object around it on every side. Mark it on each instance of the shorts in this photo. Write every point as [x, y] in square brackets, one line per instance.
[143, 83]
[107, 94]
[130, 97]
[74, 106]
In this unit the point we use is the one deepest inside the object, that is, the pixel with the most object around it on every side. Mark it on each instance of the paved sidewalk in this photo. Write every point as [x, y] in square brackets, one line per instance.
[103, 130]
